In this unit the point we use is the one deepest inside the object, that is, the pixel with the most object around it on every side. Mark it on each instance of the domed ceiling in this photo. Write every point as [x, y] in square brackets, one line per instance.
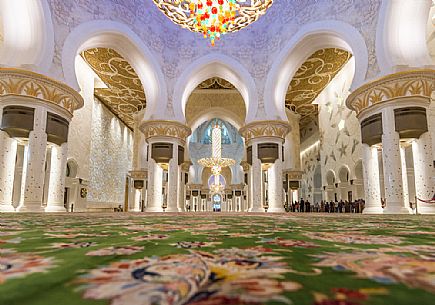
[255, 47]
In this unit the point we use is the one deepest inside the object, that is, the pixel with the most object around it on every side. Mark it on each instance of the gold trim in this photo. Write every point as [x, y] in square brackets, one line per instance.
[312, 77]
[124, 94]
[138, 174]
[415, 83]
[263, 129]
[245, 165]
[163, 128]
[293, 174]
[30, 84]
[185, 166]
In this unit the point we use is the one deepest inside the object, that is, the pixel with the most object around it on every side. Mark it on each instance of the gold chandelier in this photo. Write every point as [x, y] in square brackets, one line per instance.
[216, 162]
[213, 18]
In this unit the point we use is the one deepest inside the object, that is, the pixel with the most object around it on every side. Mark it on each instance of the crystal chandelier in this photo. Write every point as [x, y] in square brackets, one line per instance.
[213, 18]
[216, 162]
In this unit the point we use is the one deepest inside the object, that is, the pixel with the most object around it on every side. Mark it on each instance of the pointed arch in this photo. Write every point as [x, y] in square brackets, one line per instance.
[117, 36]
[211, 66]
[310, 38]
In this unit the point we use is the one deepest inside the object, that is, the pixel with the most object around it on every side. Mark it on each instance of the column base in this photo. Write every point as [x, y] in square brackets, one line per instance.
[373, 210]
[171, 210]
[257, 210]
[276, 210]
[30, 208]
[154, 210]
[7, 208]
[426, 209]
[397, 210]
[55, 209]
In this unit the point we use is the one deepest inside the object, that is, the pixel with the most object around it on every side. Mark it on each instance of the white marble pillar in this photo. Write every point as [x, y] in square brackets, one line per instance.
[249, 191]
[137, 200]
[56, 189]
[371, 180]
[173, 180]
[155, 186]
[275, 185]
[404, 176]
[47, 177]
[424, 172]
[182, 192]
[35, 169]
[257, 181]
[8, 152]
[18, 176]
[56, 185]
[392, 165]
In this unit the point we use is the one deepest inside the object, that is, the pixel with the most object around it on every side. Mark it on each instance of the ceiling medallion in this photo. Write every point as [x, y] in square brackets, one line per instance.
[213, 18]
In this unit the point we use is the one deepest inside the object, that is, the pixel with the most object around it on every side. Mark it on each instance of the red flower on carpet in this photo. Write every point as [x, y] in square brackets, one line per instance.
[227, 276]
[150, 237]
[195, 244]
[74, 245]
[417, 272]
[18, 265]
[123, 250]
[289, 243]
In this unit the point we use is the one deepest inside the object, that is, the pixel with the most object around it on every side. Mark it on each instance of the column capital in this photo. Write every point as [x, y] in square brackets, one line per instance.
[185, 166]
[401, 85]
[138, 174]
[23, 83]
[165, 129]
[246, 166]
[265, 129]
[194, 187]
[293, 174]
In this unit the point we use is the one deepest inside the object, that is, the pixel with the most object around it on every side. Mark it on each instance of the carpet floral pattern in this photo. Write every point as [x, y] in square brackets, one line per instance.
[214, 259]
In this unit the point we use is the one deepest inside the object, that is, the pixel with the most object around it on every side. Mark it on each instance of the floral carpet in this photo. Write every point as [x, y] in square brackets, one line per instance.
[213, 259]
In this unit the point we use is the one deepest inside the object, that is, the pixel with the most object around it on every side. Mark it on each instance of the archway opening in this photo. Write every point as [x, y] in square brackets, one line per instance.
[230, 178]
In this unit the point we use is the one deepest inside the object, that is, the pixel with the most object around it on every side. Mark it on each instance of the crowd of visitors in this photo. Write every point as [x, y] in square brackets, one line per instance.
[305, 206]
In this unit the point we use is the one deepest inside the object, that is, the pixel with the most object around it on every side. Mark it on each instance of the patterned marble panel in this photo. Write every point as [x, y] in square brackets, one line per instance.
[110, 157]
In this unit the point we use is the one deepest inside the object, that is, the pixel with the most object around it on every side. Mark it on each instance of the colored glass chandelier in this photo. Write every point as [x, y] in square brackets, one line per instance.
[216, 162]
[213, 18]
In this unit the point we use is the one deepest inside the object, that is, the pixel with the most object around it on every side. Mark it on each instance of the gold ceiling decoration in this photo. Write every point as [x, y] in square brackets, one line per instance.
[216, 83]
[125, 94]
[311, 79]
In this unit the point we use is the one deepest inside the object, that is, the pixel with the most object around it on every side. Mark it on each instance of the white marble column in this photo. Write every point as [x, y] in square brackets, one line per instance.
[257, 181]
[35, 169]
[182, 192]
[424, 172]
[18, 175]
[392, 166]
[404, 176]
[173, 180]
[371, 180]
[155, 185]
[137, 200]
[56, 189]
[8, 152]
[275, 185]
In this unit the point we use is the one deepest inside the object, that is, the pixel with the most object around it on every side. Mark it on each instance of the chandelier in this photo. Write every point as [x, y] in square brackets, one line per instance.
[216, 162]
[213, 18]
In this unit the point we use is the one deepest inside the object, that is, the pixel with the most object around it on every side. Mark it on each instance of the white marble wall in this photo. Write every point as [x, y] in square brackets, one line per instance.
[110, 156]
[340, 131]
